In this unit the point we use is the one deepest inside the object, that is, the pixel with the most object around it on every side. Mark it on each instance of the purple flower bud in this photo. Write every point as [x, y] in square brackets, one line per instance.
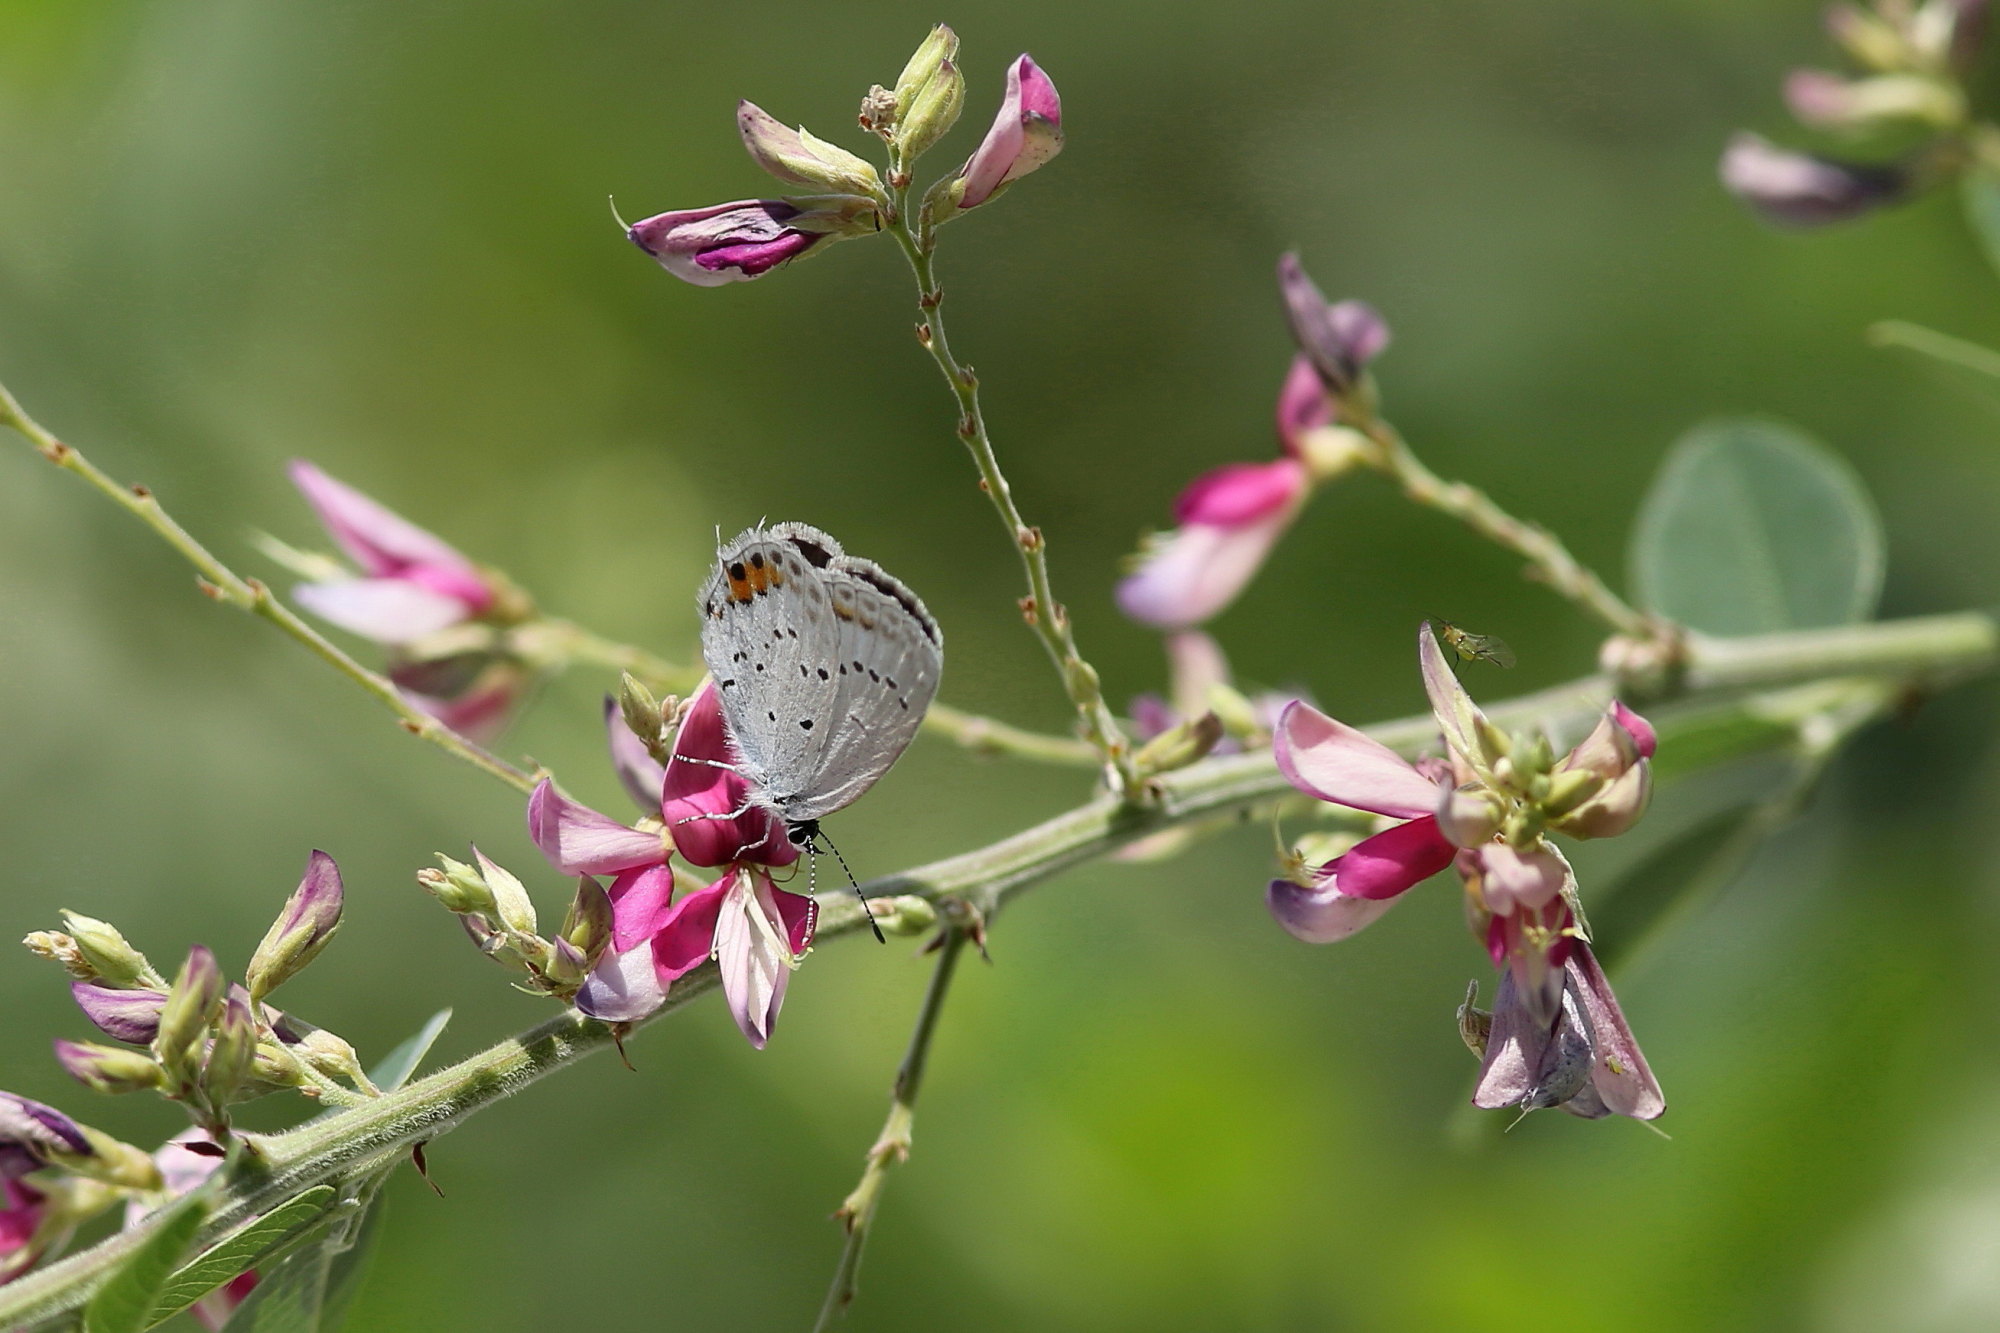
[1340, 340]
[109, 1069]
[310, 917]
[1800, 190]
[1026, 133]
[735, 242]
[31, 1133]
[1303, 405]
[128, 1015]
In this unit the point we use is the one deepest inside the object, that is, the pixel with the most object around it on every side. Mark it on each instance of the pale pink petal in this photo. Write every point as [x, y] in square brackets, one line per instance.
[1192, 574]
[1452, 706]
[640, 904]
[1335, 762]
[377, 539]
[387, 610]
[1392, 861]
[623, 987]
[579, 841]
[1195, 665]
[1321, 914]
[641, 774]
[752, 971]
[1620, 1073]
[1511, 879]
[796, 913]
[1026, 132]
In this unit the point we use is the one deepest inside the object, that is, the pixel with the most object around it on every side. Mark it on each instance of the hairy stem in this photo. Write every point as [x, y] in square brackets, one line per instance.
[1793, 672]
[250, 595]
[1047, 616]
[892, 1146]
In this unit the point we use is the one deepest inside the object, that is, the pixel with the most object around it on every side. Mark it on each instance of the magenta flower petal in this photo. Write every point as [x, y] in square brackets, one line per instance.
[1026, 133]
[1303, 405]
[380, 541]
[640, 904]
[387, 610]
[1619, 1072]
[724, 243]
[1335, 762]
[686, 939]
[800, 915]
[698, 790]
[579, 841]
[1392, 861]
[640, 773]
[1321, 914]
[1237, 494]
[622, 988]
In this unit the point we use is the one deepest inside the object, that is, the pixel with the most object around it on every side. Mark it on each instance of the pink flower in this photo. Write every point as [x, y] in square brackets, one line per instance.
[577, 840]
[754, 931]
[411, 584]
[183, 1167]
[1228, 521]
[23, 1208]
[1026, 133]
[746, 239]
[1303, 406]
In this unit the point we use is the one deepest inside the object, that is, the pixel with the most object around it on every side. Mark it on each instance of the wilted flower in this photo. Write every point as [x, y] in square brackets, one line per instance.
[1026, 133]
[1340, 340]
[746, 239]
[755, 931]
[1801, 190]
[412, 583]
[1585, 1061]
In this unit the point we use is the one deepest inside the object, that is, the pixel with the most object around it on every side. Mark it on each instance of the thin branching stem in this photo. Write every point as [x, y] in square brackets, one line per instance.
[892, 1146]
[222, 584]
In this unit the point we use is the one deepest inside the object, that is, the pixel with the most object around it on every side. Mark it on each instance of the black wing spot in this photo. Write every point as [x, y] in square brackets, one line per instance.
[803, 673]
[791, 632]
[772, 716]
[760, 666]
[890, 681]
[843, 668]
[859, 667]
[756, 560]
[727, 683]
[815, 555]
[805, 724]
[822, 673]
[874, 676]
[736, 571]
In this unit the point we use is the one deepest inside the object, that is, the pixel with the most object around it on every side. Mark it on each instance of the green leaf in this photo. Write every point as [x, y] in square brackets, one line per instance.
[349, 1267]
[309, 1291]
[1753, 527]
[256, 1243]
[124, 1304]
[395, 1068]
[1980, 189]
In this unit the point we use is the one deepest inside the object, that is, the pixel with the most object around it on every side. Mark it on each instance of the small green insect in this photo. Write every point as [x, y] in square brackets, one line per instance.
[1472, 647]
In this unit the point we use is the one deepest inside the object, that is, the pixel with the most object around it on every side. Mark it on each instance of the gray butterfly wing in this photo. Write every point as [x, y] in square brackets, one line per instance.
[767, 635]
[886, 665]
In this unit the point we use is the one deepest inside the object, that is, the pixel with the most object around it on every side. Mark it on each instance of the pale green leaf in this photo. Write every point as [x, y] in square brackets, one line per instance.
[1753, 527]
[259, 1241]
[124, 1304]
[395, 1068]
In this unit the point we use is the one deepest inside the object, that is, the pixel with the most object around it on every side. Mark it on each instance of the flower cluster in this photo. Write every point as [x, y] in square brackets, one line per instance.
[1912, 58]
[1228, 519]
[697, 808]
[1486, 808]
[747, 238]
[408, 589]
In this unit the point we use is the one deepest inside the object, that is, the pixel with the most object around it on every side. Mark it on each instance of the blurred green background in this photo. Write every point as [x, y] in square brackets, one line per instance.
[375, 235]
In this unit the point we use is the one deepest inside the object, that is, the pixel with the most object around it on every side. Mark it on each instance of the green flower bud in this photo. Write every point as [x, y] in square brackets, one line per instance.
[232, 1054]
[192, 1007]
[797, 155]
[106, 952]
[587, 927]
[110, 1069]
[938, 49]
[905, 914]
[932, 112]
[458, 886]
[1179, 746]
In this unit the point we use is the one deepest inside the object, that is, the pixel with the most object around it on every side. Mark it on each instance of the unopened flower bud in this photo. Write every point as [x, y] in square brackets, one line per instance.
[1340, 339]
[107, 953]
[905, 914]
[457, 886]
[128, 1015]
[798, 156]
[1239, 715]
[328, 1054]
[1566, 790]
[565, 969]
[1868, 38]
[1333, 451]
[1026, 133]
[510, 899]
[747, 238]
[110, 1069]
[1179, 746]
[310, 917]
[938, 49]
[191, 1009]
[1801, 190]
[1614, 809]
[1469, 816]
[1494, 744]
[587, 927]
[640, 710]
[232, 1054]
[1828, 102]
[931, 113]
[60, 948]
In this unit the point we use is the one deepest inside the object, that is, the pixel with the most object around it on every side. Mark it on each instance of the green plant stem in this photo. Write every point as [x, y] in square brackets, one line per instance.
[1785, 675]
[1953, 351]
[1549, 561]
[1047, 616]
[892, 1146]
[252, 596]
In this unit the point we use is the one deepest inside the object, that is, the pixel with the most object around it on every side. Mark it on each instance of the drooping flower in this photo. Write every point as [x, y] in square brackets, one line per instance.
[1802, 190]
[1026, 133]
[411, 583]
[1482, 809]
[747, 238]
[1585, 1061]
[33, 1135]
[755, 931]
